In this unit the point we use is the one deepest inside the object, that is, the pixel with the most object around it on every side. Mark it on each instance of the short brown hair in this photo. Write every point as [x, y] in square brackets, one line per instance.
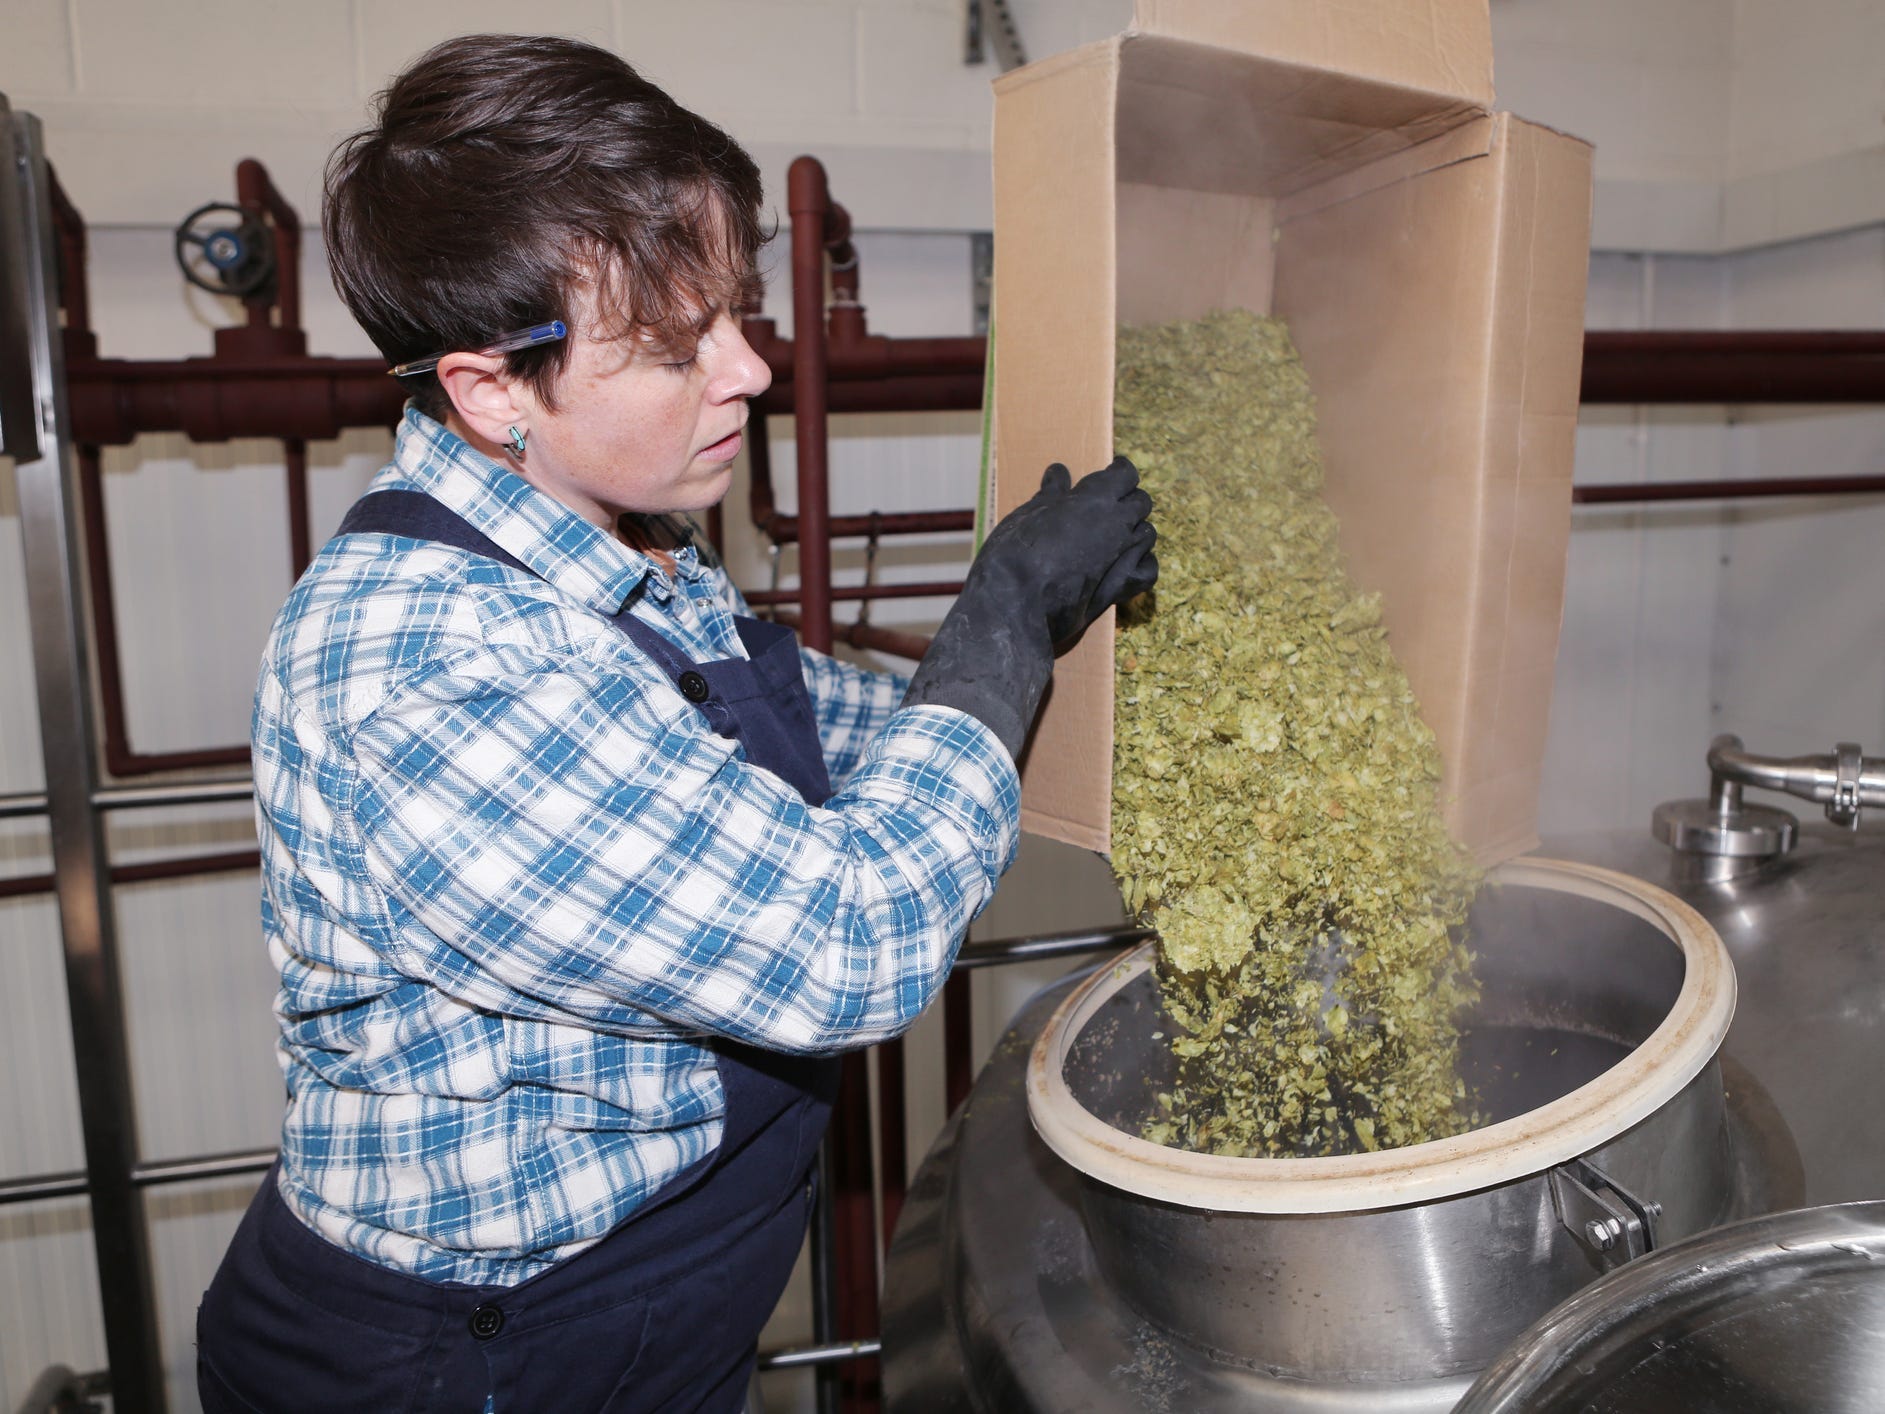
[505, 176]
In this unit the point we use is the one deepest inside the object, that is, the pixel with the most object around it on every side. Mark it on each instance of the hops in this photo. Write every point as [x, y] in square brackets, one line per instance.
[1274, 786]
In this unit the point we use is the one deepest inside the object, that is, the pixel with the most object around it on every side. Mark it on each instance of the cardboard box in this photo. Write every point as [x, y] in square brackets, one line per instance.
[1336, 163]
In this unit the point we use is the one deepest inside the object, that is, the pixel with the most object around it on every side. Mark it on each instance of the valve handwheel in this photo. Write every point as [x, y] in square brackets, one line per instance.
[227, 250]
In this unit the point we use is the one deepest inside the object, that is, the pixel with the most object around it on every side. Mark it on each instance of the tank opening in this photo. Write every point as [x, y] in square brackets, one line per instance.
[1569, 987]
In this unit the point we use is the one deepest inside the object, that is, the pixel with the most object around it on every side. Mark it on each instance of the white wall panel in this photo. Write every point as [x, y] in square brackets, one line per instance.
[1800, 623]
[392, 35]
[200, 564]
[39, 1106]
[1689, 100]
[1836, 282]
[733, 59]
[1809, 81]
[910, 66]
[1683, 31]
[49, 1310]
[1802, 613]
[199, 989]
[1597, 97]
[1633, 694]
[38, 50]
[210, 52]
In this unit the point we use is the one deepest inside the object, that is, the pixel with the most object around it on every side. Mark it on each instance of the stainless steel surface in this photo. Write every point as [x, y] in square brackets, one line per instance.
[87, 926]
[41, 1187]
[19, 807]
[19, 388]
[174, 793]
[1570, 986]
[1732, 830]
[1807, 935]
[835, 1353]
[1783, 1313]
[995, 1301]
[997, 951]
[208, 1166]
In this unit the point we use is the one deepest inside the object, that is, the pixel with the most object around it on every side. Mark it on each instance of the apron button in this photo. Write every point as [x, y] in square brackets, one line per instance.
[694, 687]
[486, 1322]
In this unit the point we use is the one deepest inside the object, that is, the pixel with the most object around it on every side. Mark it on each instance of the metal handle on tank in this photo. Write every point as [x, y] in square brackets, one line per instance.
[1609, 1221]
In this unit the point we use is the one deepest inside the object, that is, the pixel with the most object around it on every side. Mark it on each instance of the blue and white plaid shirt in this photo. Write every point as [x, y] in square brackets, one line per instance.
[514, 882]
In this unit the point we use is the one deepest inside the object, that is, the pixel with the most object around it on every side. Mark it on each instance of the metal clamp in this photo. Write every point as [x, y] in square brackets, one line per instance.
[1608, 1221]
[1848, 778]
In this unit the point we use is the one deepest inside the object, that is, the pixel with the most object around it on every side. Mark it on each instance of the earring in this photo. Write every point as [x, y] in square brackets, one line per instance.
[517, 442]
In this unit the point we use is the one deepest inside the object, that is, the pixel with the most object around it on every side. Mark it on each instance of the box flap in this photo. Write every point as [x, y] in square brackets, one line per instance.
[1461, 144]
[1442, 45]
[1055, 205]
[1448, 312]
[1208, 119]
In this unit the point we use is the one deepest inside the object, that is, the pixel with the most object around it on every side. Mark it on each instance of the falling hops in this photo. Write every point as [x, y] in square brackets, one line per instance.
[1275, 790]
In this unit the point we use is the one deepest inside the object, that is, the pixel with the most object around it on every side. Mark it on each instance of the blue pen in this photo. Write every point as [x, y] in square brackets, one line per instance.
[503, 343]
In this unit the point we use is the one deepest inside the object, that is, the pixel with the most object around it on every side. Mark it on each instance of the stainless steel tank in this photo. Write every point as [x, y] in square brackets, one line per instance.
[998, 1299]
[1603, 1001]
[1782, 1313]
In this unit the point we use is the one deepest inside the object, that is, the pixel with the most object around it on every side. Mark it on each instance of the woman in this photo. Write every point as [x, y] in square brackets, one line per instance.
[579, 879]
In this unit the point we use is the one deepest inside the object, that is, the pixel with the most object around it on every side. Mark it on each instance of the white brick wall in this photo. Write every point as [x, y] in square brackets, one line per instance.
[1717, 125]
[1809, 81]
[149, 106]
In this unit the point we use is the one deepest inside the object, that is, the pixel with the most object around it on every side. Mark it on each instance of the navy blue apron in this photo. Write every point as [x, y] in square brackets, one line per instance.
[665, 1311]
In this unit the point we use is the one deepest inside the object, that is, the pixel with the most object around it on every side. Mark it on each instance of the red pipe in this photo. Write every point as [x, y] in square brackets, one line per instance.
[924, 392]
[893, 1147]
[784, 529]
[1628, 492]
[114, 401]
[1734, 366]
[257, 341]
[74, 297]
[887, 640]
[314, 397]
[810, 204]
[859, 635]
[300, 532]
[262, 336]
[853, 1215]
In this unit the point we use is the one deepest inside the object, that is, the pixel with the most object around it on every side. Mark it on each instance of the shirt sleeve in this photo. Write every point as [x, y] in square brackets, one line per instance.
[851, 705]
[579, 835]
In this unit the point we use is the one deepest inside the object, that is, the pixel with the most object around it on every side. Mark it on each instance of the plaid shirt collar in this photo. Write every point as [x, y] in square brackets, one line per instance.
[572, 555]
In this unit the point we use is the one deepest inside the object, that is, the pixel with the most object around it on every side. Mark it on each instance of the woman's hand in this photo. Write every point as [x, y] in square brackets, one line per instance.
[1077, 550]
[1053, 565]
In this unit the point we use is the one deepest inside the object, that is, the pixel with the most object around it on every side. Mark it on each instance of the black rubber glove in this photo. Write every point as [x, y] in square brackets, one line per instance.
[1053, 565]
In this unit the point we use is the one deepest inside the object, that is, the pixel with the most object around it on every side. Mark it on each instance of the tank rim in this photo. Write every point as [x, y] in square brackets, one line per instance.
[1576, 1123]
